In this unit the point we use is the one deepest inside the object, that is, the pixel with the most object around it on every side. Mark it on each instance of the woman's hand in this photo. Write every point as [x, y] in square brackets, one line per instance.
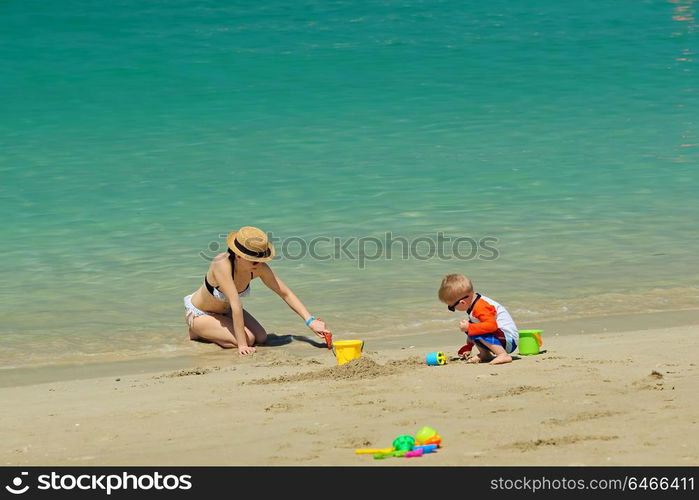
[318, 326]
[245, 349]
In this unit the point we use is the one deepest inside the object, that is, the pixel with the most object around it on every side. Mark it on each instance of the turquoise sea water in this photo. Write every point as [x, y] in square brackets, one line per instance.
[133, 134]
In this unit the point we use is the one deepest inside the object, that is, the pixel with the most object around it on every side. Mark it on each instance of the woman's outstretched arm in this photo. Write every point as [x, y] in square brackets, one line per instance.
[275, 284]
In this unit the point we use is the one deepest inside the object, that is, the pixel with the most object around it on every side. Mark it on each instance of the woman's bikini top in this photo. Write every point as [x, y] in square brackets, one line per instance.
[220, 295]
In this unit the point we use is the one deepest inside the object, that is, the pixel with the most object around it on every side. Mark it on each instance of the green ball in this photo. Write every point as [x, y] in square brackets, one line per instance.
[424, 434]
[404, 443]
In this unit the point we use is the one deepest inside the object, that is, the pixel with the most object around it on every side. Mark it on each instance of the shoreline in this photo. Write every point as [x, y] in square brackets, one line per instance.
[112, 341]
[207, 356]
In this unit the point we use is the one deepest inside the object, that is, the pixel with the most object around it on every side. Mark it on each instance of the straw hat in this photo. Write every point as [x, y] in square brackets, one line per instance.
[251, 243]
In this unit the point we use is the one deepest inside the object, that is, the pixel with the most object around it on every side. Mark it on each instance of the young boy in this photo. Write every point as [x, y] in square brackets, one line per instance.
[489, 326]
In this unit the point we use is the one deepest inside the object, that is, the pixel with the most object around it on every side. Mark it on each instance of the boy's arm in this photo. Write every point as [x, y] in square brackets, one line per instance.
[486, 314]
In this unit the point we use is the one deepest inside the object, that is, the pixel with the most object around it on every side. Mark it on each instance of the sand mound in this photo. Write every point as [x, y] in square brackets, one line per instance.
[652, 382]
[273, 359]
[357, 369]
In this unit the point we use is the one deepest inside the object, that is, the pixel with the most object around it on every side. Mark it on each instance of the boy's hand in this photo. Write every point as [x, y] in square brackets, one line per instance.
[465, 351]
[463, 325]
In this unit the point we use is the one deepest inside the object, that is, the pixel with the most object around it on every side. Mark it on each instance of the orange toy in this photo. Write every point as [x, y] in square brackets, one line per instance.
[434, 440]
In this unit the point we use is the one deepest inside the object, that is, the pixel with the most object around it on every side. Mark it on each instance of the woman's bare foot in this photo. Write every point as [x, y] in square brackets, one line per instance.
[501, 359]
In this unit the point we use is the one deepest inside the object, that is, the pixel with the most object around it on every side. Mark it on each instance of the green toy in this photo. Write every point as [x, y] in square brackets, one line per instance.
[397, 453]
[529, 342]
[404, 443]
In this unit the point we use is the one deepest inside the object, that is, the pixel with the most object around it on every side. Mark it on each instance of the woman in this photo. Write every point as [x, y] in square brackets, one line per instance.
[215, 312]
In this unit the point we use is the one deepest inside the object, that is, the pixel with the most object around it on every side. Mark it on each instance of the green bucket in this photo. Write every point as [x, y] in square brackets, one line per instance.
[529, 342]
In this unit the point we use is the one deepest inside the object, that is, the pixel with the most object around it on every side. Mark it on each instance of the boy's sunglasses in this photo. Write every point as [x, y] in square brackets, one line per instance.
[452, 307]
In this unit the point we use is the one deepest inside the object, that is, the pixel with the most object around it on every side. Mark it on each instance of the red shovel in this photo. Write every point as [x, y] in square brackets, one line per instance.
[328, 339]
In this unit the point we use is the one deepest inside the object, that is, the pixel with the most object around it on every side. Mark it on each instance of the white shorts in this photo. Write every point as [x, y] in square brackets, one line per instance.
[191, 311]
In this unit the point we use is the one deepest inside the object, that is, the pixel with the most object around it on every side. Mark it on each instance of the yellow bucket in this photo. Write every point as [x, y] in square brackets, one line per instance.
[347, 350]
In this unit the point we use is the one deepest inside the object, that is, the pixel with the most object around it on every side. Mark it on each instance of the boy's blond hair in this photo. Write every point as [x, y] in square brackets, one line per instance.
[453, 287]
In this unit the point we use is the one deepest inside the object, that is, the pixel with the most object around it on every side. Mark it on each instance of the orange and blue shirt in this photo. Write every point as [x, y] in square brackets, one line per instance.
[490, 322]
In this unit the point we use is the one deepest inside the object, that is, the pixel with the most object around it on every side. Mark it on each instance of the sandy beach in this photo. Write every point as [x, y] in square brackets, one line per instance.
[365, 152]
[599, 398]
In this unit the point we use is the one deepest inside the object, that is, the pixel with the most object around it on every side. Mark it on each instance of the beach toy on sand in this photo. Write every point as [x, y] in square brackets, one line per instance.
[394, 453]
[408, 446]
[427, 436]
[426, 448]
[424, 434]
[404, 443]
[529, 342]
[347, 350]
[414, 453]
[436, 358]
[434, 440]
[367, 451]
